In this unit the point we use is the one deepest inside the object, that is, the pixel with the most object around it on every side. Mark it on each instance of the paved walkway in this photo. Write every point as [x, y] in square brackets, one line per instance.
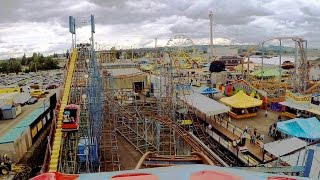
[252, 148]
[259, 122]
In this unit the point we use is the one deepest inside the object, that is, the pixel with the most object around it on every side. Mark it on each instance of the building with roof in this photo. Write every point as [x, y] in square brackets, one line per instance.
[204, 104]
[128, 79]
[16, 142]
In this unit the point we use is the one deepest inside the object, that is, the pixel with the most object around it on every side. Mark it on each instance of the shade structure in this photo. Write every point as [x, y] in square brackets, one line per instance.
[207, 90]
[204, 104]
[146, 67]
[266, 73]
[302, 128]
[284, 146]
[294, 105]
[252, 67]
[241, 100]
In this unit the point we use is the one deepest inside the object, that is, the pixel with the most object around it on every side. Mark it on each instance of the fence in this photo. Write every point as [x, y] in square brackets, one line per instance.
[227, 144]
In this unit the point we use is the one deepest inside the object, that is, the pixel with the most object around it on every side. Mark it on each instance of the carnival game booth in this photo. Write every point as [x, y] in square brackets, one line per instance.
[236, 86]
[242, 105]
[296, 105]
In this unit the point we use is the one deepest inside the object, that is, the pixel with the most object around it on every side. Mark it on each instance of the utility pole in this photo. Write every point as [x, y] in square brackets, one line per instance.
[155, 48]
[131, 53]
[211, 37]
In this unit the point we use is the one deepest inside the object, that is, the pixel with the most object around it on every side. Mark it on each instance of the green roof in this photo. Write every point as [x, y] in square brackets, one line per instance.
[266, 73]
[15, 132]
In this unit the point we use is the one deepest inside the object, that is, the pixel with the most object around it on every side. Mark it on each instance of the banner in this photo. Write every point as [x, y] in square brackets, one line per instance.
[298, 98]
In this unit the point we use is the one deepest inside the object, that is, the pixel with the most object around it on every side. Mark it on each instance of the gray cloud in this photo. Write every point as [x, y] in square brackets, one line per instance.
[37, 25]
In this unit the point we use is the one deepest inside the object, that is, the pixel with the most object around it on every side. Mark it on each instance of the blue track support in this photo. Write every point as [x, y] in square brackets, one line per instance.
[94, 95]
[158, 128]
[308, 165]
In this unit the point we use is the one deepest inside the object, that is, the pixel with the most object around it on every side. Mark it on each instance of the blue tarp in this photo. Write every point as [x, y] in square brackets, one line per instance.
[207, 90]
[302, 128]
[207, 65]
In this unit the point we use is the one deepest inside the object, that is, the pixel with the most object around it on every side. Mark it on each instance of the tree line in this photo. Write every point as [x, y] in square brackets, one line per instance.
[31, 64]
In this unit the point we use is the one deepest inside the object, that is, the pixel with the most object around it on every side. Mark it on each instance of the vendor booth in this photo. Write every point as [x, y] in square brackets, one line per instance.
[296, 105]
[242, 105]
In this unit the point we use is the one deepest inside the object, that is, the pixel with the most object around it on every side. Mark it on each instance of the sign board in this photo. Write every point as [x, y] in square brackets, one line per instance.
[298, 98]
[93, 26]
[72, 25]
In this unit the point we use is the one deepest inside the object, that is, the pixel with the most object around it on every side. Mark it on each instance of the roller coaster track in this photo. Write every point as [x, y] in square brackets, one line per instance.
[185, 135]
[303, 73]
[57, 139]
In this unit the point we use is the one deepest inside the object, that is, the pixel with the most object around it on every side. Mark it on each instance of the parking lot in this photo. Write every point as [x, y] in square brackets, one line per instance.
[41, 78]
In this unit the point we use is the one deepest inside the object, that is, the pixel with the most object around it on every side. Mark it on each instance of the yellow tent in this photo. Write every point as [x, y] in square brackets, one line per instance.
[241, 100]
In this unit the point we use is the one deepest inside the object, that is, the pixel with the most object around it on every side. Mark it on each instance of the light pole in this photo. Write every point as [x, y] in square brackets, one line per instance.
[84, 96]
[131, 53]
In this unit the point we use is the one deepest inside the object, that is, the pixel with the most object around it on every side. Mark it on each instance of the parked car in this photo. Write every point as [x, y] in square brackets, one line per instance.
[22, 84]
[32, 100]
[52, 86]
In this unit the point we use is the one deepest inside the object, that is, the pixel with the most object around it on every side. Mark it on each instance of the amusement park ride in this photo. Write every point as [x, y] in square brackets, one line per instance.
[83, 141]
[296, 76]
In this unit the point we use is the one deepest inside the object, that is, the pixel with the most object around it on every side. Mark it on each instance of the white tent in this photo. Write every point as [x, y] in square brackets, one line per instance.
[204, 104]
[285, 146]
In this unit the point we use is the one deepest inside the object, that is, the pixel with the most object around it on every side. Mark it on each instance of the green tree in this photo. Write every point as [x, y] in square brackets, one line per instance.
[4, 67]
[29, 60]
[24, 60]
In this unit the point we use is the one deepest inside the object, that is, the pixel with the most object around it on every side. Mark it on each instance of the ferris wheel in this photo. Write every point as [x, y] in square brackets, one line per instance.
[180, 48]
[179, 42]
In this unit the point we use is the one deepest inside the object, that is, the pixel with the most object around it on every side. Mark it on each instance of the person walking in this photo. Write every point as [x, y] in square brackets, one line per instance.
[252, 138]
[279, 118]
[270, 130]
[266, 113]
[234, 143]
[245, 129]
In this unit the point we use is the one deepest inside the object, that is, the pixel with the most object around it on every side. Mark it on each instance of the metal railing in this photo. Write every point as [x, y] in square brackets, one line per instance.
[228, 145]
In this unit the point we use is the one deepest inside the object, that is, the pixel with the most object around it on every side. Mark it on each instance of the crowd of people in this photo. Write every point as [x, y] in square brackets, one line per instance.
[276, 134]
[254, 136]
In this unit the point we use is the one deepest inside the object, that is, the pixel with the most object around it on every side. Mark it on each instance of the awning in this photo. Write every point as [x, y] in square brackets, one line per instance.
[204, 104]
[301, 128]
[285, 146]
[207, 90]
[241, 100]
[182, 111]
[293, 105]
[314, 111]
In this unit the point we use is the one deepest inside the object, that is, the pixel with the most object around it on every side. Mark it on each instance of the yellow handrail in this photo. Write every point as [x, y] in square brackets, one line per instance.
[54, 158]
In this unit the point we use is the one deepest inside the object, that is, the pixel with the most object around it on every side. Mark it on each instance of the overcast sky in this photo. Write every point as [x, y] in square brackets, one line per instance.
[42, 25]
